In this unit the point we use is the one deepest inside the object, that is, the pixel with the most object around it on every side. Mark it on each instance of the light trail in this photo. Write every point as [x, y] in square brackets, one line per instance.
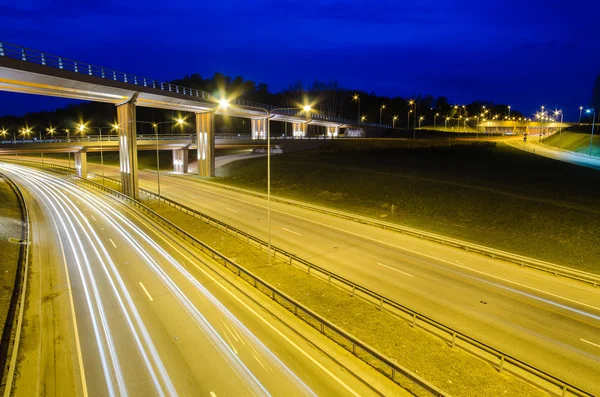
[123, 226]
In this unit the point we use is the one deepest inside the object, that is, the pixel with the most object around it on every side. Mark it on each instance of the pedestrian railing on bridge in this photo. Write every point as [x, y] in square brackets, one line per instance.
[41, 58]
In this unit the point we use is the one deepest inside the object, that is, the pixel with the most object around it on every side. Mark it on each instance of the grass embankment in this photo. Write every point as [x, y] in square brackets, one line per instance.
[481, 192]
[576, 140]
[453, 370]
[10, 227]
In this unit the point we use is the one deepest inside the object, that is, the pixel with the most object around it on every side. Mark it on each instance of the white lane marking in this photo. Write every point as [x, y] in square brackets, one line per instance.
[242, 303]
[192, 196]
[146, 291]
[112, 242]
[591, 343]
[230, 344]
[229, 209]
[291, 231]
[396, 270]
[256, 358]
[93, 218]
[212, 394]
[72, 304]
[77, 201]
[417, 253]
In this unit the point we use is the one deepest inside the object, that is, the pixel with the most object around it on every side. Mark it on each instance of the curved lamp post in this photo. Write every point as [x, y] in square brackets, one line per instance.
[224, 104]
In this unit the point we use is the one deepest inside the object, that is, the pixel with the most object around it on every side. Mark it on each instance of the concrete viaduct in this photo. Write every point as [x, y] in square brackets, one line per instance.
[27, 71]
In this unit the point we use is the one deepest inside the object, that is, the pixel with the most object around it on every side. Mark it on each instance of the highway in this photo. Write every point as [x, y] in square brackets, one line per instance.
[117, 306]
[549, 322]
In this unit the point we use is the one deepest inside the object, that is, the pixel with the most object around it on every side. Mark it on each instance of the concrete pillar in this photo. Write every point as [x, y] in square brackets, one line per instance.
[81, 164]
[128, 149]
[180, 160]
[205, 127]
[299, 130]
[332, 132]
[259, 128]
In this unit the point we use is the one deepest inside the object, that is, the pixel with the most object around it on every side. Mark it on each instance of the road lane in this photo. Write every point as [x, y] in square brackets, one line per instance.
[529, 314]
[186, 340]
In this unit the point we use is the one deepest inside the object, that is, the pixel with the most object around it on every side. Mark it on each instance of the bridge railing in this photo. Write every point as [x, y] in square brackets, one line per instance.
[95, 138]
[41, 58]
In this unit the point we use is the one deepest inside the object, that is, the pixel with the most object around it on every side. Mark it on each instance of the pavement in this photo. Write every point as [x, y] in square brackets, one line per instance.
[118, 306]
[534, 146]
[549, 322]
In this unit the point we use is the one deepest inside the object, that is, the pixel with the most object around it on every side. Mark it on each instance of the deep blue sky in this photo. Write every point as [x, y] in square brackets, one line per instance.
[525, 53]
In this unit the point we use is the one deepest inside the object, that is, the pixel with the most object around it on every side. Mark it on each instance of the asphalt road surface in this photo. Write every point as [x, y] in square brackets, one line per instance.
[549, 322]
[118, 307]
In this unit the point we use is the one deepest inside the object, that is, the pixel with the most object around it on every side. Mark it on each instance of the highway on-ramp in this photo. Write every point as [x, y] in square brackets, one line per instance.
[538, 148]
[119, 307]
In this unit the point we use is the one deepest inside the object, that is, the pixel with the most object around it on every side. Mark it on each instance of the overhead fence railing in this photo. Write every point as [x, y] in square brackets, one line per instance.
[41, 58]
[454, 338]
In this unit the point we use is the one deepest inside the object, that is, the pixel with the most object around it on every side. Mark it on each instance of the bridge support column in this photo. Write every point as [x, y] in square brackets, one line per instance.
[81, 164]
[332, 132]
[299, 130]
[128, 149]
[180, 160]
[205, 137]
[259, 128]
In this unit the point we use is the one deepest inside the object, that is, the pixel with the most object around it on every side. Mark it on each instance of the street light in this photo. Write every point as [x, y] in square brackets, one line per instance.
[509, 111]
[357, 99]
[593, 111]
[224, 104]
[446, 123]
[435, 116]
[381, 112]
[420, 119]
[580, 111]
[155, 127]
[410, 103]
[3, 132]
[394, 121]
[556, 113]
[113, 127]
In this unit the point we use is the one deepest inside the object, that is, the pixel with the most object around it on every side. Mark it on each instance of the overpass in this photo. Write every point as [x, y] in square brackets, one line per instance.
[29, 71]
[520, 127]
[179, 144]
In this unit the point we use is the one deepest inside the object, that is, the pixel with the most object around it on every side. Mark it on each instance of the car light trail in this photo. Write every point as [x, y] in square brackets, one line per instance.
[54, 192]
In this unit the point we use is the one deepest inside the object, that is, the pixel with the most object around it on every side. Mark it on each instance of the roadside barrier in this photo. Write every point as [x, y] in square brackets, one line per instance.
[454, 338]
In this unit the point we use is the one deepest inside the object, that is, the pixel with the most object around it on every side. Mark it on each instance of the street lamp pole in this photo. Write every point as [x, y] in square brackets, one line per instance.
[155, 128]
[82, 128]
[593, 111]
[381, 113]
[394, 121]
[224, 103]
[357, 99]
[580, 112]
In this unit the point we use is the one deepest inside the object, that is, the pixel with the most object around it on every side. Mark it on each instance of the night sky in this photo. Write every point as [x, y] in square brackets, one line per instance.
[524, 53]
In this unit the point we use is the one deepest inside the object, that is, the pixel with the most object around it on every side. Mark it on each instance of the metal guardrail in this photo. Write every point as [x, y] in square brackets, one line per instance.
[96, 138]
[360, 349]
[33, 56]
[17, 298]
[455, 338]
[520, 260]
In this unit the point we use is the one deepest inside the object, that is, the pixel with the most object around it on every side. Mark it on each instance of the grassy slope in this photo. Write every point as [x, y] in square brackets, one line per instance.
[452, 370]
[492, 195]
[575, 141]
[10, 226]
